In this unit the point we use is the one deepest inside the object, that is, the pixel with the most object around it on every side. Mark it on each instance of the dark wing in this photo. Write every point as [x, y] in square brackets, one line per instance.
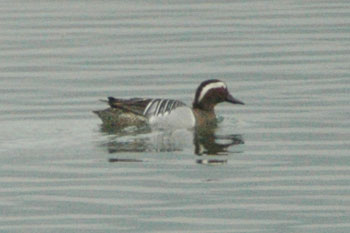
[134, 105]
[145, 107]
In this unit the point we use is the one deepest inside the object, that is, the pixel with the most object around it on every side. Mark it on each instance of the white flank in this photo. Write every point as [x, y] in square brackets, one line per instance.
[209, 87]
[179, 118]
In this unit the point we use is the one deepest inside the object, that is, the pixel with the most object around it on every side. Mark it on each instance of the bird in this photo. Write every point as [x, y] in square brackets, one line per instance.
[168, 113]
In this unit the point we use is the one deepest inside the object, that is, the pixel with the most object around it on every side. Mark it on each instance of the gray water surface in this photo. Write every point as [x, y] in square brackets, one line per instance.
[280, 163]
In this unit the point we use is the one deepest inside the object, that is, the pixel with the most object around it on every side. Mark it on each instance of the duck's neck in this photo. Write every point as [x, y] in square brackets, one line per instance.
[204, 117]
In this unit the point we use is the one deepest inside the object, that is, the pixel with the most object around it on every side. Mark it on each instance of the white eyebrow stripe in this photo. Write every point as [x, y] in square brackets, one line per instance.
[209, 87]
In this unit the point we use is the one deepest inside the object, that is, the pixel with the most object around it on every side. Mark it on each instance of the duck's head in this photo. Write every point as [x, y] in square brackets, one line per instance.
[211, 92]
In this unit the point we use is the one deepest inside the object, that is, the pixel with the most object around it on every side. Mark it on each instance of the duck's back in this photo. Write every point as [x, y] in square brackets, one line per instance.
[145, 107]
[138, 111]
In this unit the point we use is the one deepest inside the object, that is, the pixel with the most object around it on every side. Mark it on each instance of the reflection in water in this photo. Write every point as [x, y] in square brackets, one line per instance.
[206, 142]
[116, 160]
[210, 147]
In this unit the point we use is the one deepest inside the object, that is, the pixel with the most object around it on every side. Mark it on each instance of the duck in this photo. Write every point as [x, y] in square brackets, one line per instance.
[168, 113]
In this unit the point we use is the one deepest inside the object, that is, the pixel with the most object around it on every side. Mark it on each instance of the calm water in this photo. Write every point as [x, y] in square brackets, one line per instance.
[281, 163]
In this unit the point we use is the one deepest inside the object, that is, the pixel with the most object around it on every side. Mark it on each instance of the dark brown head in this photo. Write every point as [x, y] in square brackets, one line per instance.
[211, 92]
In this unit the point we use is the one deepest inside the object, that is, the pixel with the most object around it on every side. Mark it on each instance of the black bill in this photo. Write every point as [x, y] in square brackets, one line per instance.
[233, 100]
